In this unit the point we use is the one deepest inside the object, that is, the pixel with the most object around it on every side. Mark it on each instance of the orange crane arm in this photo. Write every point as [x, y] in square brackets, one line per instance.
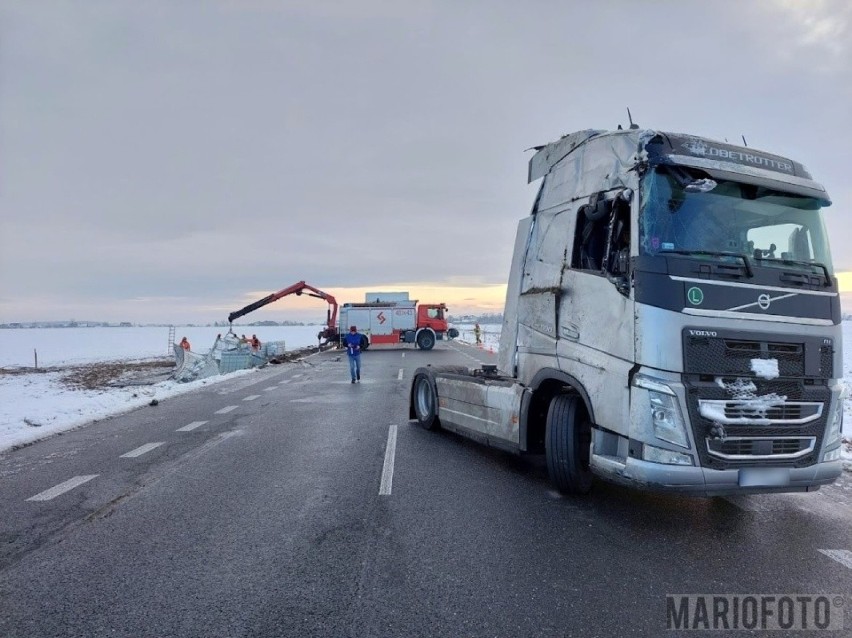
[298, 288]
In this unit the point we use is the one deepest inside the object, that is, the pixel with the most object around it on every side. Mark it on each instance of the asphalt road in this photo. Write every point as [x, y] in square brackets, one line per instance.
[293, 503]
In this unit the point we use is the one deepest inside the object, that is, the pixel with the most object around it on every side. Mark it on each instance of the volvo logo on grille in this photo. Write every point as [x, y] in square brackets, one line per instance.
[702, 333]
[763, 301]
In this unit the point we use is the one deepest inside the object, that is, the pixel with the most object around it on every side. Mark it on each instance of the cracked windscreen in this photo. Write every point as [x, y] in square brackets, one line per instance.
[683, 211]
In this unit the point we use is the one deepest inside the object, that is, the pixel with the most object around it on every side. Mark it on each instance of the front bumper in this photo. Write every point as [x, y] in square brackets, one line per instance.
[703, 481]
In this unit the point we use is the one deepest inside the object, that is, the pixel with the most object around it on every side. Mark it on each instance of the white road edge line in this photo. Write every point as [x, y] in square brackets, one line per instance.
[842, 556]
[191, 426]
[387, 471]
[56, 490]
[252, 397]
[142, 449]
[226, 409]
[399, 376]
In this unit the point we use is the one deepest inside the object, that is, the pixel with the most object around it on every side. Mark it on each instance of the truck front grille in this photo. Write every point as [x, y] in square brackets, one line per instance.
[784, 432]
[745, 412]
[753, 448]
[741, 418]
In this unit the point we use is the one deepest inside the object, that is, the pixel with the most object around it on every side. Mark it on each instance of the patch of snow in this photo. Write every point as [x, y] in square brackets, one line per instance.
[765, 368]
[34, 406]
[739, 388]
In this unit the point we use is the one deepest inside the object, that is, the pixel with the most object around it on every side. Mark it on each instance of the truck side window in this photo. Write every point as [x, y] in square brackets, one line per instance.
[590, 237]
[618, 255]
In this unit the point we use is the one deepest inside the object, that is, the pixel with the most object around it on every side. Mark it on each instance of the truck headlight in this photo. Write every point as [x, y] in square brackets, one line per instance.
[665, 412]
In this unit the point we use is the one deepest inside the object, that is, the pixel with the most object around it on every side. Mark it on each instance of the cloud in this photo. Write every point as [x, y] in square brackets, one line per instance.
[197, 152]
[823, 27]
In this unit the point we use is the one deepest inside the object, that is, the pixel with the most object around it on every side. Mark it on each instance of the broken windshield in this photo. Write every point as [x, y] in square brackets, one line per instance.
[683, 211]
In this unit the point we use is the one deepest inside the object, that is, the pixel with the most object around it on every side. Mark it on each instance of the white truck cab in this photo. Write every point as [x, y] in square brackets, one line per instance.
[672, 322]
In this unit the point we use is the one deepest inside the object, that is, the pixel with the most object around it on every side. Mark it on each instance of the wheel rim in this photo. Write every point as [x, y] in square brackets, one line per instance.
[423, 398]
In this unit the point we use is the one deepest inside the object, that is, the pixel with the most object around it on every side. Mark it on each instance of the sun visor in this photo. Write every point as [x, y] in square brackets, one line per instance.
[756, 176]
[737, 163]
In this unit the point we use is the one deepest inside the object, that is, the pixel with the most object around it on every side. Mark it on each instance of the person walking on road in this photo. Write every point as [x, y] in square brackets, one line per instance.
[477, 332]
[352, 341]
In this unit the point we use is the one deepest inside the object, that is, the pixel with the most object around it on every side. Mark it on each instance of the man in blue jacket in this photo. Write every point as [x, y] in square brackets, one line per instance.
[352, 341]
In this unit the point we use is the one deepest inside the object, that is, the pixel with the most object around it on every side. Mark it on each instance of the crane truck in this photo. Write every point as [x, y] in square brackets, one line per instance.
[672, 322]
[386, 318]
[328, 334]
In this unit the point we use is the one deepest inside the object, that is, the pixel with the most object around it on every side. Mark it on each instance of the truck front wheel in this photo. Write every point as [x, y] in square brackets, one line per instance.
[567, 443]
[425, 399]
[425, 340]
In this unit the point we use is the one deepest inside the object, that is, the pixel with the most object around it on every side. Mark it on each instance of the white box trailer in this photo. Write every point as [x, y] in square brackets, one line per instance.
[379, 319]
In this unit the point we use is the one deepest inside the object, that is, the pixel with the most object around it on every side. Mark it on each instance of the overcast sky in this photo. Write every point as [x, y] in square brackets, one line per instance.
[172, 161]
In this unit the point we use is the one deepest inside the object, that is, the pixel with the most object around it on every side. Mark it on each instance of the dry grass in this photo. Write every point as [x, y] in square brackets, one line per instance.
[91, 376]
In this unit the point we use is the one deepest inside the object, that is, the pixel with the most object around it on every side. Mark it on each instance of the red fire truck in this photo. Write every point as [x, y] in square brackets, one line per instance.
[394, 318]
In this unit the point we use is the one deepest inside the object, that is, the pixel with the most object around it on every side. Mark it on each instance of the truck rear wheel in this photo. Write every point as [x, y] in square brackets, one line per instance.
[567, 443]
[425, 340]
[425, 400]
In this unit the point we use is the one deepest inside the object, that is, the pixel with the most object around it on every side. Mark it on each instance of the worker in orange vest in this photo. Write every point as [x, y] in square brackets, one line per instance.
[184, 343]
[255, 343]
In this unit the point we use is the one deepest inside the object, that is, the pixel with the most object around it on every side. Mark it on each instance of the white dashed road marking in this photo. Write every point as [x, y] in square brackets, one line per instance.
[226, 409]
[284, 381]
[403, 354]
[132, 454]
[55, 491]
[270, 389]
[842, 556]
[387, 470]
[399, 376]
[191, 426]
[296, 376]
[252, 397]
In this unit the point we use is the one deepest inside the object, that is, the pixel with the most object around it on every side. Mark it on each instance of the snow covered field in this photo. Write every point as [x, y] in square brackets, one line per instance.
[35, 405]
[64, 346]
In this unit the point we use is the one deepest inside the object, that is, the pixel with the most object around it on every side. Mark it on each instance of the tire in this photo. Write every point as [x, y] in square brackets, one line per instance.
[425, 340]
[424, 397]
[567, 443]
[365, 343]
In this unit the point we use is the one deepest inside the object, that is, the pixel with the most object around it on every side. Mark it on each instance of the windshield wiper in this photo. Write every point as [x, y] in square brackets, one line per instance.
[715, 253]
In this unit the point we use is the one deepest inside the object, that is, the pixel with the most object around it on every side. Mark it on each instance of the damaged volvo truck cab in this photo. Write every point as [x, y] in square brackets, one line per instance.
[672, 322]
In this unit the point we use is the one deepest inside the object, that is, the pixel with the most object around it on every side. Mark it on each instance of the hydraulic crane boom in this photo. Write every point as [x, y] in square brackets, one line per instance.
[299, 288]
